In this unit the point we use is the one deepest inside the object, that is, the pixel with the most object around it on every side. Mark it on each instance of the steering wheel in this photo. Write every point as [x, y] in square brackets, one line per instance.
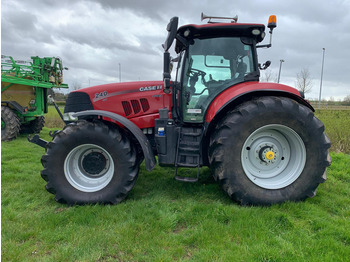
[197, 72]
[194, 76]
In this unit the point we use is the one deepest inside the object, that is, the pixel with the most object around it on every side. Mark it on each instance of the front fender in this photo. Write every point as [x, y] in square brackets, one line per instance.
[150, 160]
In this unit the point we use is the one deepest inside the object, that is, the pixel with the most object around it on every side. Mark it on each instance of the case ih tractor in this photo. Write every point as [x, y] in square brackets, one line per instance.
[261, 140]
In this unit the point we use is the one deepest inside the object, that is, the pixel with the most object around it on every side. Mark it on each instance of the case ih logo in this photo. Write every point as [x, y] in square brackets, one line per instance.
[150, 88]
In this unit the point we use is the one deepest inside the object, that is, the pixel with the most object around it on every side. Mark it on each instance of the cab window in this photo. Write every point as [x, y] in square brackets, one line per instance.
[211, 66]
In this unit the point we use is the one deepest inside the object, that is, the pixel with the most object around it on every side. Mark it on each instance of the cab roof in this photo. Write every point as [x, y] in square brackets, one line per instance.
[213, 30]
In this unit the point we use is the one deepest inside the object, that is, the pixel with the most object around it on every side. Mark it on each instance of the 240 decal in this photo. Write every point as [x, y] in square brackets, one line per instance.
[101, 94]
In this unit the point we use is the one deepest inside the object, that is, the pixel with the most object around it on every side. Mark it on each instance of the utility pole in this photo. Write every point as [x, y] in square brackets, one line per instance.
[319, 99]
[279, 73]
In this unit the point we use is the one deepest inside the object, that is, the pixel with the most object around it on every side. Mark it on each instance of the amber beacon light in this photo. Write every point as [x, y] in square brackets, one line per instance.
[272, 22]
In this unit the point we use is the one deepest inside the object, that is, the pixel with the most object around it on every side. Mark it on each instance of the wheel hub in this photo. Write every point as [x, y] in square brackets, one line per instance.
[267, 153]
[94, 162]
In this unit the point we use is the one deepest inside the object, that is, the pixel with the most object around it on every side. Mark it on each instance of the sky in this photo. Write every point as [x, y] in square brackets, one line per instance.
[105, 41]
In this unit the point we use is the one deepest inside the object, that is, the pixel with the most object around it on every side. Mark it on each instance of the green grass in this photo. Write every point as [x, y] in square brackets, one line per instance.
[337, 123]
[165, 220]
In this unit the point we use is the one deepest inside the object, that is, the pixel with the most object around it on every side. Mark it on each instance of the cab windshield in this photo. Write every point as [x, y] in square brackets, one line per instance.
[210, 66]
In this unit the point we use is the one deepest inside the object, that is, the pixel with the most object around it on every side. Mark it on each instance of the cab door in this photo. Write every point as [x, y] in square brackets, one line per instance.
[210, 66]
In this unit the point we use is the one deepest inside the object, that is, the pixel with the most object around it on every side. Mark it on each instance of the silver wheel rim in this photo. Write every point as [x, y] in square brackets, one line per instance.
[273, 156]
[89, 168]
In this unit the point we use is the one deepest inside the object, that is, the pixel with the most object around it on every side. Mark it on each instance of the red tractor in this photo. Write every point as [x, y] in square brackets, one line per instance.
[261, 140]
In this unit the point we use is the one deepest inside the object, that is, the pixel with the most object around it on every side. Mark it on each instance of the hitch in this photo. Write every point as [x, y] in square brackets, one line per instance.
[38, 141]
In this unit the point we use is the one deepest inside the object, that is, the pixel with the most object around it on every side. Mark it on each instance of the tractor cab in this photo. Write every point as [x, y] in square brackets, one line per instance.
[211, 58]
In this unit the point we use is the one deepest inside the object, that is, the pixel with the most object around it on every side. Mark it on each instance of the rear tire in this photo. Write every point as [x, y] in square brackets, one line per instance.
[90, 163]
[9, 124]
[33, 127]
[269, 150]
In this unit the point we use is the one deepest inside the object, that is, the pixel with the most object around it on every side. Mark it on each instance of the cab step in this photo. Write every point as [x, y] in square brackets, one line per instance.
[188, 152]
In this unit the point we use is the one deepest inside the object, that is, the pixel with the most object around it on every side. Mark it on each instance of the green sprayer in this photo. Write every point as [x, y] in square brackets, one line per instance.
[24, 93]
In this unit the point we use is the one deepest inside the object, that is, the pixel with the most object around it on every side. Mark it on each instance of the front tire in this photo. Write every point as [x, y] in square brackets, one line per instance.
[90, 163]
[269, 150]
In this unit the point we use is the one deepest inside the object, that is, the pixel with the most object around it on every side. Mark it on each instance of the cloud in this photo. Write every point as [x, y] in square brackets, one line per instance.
[94, 36]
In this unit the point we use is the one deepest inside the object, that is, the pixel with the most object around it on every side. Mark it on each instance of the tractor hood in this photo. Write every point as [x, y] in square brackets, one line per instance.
[129, 99]
[108, 91]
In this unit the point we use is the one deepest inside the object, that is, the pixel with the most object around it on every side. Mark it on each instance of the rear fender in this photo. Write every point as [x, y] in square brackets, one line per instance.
[241, 93]
[150, 160]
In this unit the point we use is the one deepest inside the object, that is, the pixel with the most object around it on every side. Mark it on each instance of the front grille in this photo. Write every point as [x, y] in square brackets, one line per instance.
[78, 101]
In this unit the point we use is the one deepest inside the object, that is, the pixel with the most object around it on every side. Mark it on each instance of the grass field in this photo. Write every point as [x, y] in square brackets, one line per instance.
[337, 123]
[165, 220]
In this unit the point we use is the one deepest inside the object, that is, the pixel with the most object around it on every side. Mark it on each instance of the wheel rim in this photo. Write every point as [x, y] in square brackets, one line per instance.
[273, 156]
[89, 168]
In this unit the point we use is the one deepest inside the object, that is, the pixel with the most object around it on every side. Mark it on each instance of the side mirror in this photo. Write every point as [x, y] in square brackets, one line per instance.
[172, 30]
[265, 65]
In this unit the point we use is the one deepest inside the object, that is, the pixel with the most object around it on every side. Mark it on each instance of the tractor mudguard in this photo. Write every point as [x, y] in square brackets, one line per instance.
[233, 94]
[150, 160]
